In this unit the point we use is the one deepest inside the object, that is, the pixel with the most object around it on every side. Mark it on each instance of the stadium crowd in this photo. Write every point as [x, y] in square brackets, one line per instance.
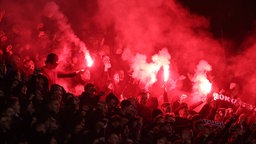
[35, 111]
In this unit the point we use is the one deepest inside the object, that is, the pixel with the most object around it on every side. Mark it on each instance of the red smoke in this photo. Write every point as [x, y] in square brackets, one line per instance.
[140, 37]
[202, 86]
[243, 68]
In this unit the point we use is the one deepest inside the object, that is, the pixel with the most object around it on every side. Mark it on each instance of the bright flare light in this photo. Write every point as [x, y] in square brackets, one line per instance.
[166, 72]
[88, 59]
[205, 86]
[146, 72]
[202, 86]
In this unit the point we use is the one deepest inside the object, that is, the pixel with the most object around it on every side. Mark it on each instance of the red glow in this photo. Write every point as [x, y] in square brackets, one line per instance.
[202, 86]
[166, 72]
[205, 86]
[88, 59]
[132, 34]
[146, 72]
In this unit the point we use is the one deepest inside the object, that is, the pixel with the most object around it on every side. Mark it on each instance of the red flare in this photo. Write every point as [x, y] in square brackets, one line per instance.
[166, 72]
[205, 86]
[89, 59]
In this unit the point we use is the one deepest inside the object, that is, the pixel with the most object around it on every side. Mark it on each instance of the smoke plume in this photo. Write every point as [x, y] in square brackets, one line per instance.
[141, 36]
[202, 86]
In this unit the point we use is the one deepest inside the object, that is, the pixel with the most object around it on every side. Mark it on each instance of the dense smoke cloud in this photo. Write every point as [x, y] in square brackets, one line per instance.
[202, 87]
[243, 68]
[132, 31]
[37, 28]
[145, 71]
[20, 24]
[147, 26]
[68, 41]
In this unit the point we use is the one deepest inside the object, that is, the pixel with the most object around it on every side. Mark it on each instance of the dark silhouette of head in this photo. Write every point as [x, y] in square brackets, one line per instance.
[52, 59]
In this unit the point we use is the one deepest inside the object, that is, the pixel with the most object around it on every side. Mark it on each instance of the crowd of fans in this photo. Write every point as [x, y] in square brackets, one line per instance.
[34, 112]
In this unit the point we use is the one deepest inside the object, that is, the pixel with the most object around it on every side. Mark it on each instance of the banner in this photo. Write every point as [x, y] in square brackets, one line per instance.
[233, 101]
[213, 123]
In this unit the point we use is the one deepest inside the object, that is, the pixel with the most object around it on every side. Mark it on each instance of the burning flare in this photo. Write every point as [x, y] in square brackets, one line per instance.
[202, 86]
[205, 86]
[146, 72]
[166, 72]
[88, 58]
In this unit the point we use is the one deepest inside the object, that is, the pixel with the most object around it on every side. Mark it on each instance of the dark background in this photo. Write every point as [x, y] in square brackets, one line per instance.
[233, 20]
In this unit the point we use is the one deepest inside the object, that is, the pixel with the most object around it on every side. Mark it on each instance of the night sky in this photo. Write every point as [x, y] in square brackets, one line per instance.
[229, 19]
